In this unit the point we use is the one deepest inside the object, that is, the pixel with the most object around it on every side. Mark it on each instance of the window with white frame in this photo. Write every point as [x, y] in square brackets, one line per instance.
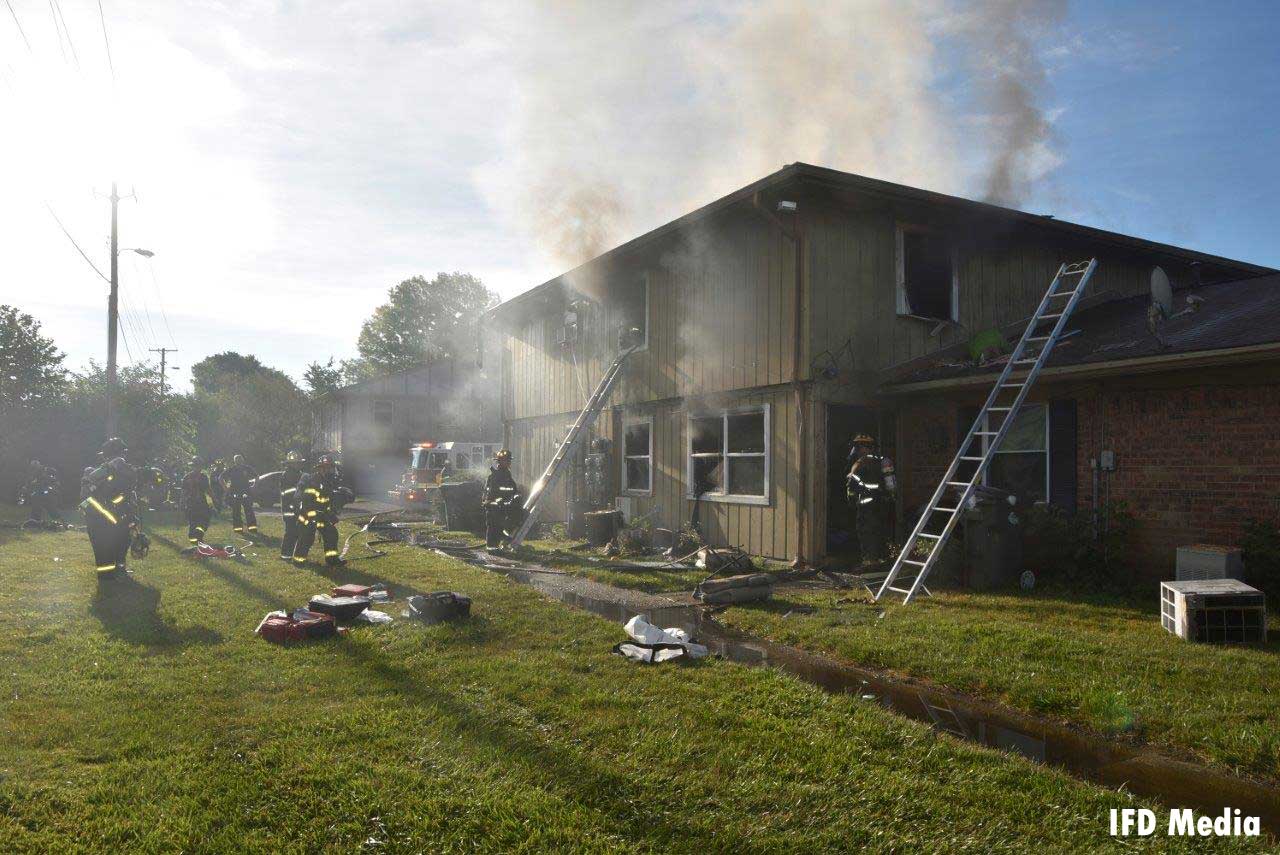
[729, 455]
[637, 456]
[1021, 465]
[383, 413]
[928, 283]
[633, 311]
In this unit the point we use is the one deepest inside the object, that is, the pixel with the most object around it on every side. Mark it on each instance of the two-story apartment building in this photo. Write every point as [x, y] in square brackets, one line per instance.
[775, 323]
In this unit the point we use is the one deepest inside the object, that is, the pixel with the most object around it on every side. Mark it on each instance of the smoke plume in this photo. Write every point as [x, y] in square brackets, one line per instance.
[631, 114]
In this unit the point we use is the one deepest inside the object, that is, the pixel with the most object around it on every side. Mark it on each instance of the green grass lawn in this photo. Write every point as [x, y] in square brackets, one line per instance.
[1099, 662]
[149, 718]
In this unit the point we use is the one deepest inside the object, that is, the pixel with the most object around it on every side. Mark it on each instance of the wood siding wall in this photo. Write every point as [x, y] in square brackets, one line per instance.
[770, 530]
[721, 318]
[853, 282]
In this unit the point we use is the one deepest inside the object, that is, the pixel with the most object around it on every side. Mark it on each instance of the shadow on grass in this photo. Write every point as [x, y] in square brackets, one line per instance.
[129, 610]
[352, 573]
[221, 569]
[571, 775]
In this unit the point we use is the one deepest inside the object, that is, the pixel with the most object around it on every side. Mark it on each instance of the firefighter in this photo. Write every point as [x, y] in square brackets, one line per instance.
[870, 488]
[239, 479]
[290, 503]
[197, 501]
[502, 502]
[152, 486]
[216, 470]
[111, 509]
[39, 495]
[322, 496]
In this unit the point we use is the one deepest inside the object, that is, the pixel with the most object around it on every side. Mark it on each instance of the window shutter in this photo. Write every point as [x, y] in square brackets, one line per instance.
[1062, 454]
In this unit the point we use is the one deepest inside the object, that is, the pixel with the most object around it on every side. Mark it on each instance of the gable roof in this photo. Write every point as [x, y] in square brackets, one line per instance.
[822, 176]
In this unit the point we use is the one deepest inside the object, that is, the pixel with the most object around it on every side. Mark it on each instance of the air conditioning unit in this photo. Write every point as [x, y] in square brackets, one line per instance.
[1206, 561]
[1214, 610]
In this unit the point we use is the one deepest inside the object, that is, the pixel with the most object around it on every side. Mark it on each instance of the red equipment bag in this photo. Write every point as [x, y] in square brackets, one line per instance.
[280, 628]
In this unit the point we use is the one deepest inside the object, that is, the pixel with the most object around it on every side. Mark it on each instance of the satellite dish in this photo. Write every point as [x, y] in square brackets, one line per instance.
[1161, 292]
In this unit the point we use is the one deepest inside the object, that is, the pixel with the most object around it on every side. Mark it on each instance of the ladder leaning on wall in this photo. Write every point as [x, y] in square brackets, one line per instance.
[572, 439]
[923, 548]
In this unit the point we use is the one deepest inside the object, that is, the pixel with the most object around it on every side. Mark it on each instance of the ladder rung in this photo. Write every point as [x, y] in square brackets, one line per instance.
[1040, 338]
[1025, 361]
[972, 458]
[930, 536]
[945, 510]
[1064, 293]
[1013, 385]
[959, 483]
[909, 561]
[1048, 317]
[986, 433]
[900, 590]
[999, 409]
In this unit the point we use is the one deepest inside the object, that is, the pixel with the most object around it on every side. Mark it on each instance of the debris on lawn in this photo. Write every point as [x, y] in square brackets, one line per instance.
[652, 645]
[341, 608]
[280, 627]
[723, 560]
[374, 616]
[743, 588]
[204, 550]
[438, 606]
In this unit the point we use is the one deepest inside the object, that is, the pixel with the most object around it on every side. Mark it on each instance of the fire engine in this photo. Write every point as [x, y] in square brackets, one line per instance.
[431, 462]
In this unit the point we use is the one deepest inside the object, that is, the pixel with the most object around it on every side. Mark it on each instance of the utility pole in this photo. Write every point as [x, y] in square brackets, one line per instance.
[113, 314]
[163, 351]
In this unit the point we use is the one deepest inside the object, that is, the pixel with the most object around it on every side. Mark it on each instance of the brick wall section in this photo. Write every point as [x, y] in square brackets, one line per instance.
[1193, 462]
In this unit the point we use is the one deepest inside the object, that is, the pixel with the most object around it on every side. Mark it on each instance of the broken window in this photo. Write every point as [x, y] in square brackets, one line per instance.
[383, 413]
[633, 313]
[927, 283]
[729, 454]
[637, 457]
[1021, 465]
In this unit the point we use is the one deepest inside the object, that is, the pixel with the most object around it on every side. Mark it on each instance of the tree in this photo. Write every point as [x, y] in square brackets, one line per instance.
[262, 417]
[422, 320]
[213, 373]
[321, 379]
[30, 364]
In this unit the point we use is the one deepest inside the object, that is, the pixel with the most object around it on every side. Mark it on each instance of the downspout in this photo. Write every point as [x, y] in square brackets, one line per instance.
[797, 375]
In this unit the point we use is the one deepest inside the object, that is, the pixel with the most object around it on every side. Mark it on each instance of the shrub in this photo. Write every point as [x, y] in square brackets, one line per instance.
[1066, 548]
[1261, 547]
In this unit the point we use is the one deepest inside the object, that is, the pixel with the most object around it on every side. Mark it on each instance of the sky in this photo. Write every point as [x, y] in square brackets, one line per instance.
[288, 162]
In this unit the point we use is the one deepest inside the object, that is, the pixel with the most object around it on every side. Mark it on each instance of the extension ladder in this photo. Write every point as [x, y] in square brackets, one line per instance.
[922, 549]
[565, 452]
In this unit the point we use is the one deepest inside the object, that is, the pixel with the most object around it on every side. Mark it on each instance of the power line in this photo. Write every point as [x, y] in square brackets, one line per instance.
[83, 254]
[58, 16]
[18, 24]
[164, 316]
[103, 17]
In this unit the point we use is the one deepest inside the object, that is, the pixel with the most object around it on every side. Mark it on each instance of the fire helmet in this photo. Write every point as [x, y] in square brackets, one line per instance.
[113, 447]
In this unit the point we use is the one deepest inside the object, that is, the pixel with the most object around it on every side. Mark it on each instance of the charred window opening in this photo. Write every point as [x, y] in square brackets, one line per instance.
[637, 457]
[927, 285]
[633, 314]
[383, 413]
[729, 455]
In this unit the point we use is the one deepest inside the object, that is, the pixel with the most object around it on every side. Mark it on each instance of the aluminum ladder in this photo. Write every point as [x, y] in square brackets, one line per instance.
[571, 441]
[922, 549]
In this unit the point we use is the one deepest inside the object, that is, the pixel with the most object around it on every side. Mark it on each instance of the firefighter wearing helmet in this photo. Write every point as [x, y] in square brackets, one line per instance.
[502, 502]
[290, 503]
[871, 485]
[239, 481]
[322, 496]
[197, 501]
[110, 509]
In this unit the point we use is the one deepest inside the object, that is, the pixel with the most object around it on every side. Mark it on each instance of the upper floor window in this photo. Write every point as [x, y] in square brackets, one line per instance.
[383, 413]
[633, 312]
[928, 283]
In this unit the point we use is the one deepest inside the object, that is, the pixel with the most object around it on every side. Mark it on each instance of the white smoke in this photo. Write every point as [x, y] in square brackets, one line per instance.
[630, 114]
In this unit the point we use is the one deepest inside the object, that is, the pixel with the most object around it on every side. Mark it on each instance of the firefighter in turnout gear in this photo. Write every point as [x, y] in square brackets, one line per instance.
[322, 496]
[111, 509]
[871, 486]
[290, 503]
[239, 478]
[197, 501]
[502, 502]
[216, 485]
[39, 495]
